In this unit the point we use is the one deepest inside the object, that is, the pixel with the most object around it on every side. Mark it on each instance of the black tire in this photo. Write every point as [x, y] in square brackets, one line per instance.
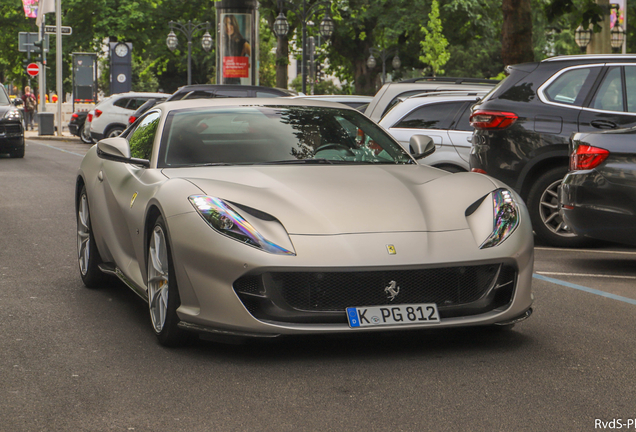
[87, 254]
[543, 206]
[163, 312]
[113, 131]
[19, 153]
[85, 136]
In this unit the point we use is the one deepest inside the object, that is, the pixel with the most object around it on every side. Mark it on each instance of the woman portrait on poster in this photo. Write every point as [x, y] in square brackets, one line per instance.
[236, 44]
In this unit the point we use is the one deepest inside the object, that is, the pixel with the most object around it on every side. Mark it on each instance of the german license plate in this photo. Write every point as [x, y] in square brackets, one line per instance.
[424, 313]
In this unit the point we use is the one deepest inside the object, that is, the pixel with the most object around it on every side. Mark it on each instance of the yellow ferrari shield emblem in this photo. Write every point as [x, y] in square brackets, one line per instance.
[391, 249]
[132, 200]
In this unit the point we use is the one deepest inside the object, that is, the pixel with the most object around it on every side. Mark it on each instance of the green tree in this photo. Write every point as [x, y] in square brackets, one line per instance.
[434, 44]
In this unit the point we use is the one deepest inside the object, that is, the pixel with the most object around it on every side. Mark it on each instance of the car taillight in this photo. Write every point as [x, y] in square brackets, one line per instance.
[97, 113]
[492, 119]
[74, 115]
[586, 157]
[89, 118]
[131, 119]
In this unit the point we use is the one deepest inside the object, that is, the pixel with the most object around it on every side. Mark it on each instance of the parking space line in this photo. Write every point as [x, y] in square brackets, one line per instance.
[585, 275]
[587, 251]
[56, 148]
[582, 288]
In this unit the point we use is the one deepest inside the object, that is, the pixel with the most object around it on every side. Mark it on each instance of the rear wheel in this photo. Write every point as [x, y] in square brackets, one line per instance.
[163, 292]
[114, 132]
[543, 205]
[85, 135]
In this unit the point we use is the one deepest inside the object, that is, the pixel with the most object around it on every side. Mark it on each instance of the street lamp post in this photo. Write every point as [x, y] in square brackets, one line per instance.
[582, 37]
[281, 27]
[617, 35]
[383, 55]
[188, 30]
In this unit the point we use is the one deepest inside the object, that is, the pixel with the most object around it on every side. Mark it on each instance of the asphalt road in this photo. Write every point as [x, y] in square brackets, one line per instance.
[74, 359]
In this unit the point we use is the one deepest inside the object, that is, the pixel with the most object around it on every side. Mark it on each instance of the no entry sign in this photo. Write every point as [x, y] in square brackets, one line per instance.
[33, 69]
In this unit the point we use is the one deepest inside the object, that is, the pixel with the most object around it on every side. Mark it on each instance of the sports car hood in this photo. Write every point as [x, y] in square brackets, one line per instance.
[327, 200]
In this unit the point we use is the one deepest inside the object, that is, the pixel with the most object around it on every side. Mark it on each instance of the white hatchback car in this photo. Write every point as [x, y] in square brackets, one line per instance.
[110, 116]
[441, 115]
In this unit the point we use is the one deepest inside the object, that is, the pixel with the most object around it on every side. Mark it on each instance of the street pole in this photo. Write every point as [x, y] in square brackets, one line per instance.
[304, 64]
[58, 65]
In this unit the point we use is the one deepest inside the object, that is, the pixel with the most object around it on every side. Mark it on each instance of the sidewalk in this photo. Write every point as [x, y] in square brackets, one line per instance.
[66, 135]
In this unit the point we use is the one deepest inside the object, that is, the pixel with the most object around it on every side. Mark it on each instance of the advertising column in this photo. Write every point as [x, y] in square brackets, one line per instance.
[237, 42]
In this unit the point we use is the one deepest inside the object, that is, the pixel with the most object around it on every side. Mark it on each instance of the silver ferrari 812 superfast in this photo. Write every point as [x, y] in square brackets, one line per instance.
[270, 217]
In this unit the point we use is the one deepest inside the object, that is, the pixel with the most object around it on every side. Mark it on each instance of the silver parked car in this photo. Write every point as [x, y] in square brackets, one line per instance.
[271, 217]
[444, 116]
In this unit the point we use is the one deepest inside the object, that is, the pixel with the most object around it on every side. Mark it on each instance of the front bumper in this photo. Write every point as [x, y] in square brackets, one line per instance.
[11, 137]
[208, 267]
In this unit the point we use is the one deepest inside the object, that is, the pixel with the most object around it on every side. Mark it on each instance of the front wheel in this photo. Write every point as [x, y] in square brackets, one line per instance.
[163, 292]
[543, 206]
[87, 254]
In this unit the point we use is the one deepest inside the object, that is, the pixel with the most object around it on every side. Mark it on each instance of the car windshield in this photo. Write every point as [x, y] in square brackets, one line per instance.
[275, 135]
[4, 98]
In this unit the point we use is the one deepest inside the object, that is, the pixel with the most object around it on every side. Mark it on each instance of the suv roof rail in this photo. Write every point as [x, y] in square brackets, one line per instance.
[451, 80]
[589, 56]
[449, 93]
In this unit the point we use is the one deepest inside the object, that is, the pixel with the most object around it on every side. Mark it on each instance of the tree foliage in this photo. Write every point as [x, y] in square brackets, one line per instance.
[434, 44]
[473, 29]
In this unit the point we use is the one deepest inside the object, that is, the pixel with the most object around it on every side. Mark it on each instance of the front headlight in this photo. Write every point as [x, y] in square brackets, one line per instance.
[505, 218]
[12, 114]
[227, 221]
[493, 218]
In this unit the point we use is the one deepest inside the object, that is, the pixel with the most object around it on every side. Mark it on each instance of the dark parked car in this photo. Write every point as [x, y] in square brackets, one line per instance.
[76, 126]
[523, 127]
[598, 195]
[142, 109]
[11, 126]
[207, 91]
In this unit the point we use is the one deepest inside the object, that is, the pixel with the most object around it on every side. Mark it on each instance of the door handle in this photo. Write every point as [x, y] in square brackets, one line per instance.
[603, 124]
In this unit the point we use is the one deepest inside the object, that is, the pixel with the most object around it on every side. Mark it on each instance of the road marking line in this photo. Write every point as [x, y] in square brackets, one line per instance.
[56, 148]
[586, 289]
[585, 251]
[586, 275]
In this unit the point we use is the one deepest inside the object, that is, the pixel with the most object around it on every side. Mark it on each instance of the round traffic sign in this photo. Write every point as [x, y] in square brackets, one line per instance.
[33, 69]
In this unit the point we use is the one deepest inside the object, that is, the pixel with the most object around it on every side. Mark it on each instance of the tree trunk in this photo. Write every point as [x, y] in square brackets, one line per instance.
[516, 37]
[282, 60]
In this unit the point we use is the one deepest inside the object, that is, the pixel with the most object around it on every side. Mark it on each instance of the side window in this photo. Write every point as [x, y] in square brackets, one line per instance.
[143, 136]
[630, 88]
[431, 116]
[266, 94]
[136, 103]
[567, 87]
[122, 102]
[609, 96]
[463, 124]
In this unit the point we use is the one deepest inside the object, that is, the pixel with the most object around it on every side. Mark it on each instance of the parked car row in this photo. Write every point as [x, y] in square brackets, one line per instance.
[517, 131]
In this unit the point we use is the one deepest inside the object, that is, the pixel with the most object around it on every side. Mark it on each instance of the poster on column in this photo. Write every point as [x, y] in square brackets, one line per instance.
[236, 48]
[617, 14]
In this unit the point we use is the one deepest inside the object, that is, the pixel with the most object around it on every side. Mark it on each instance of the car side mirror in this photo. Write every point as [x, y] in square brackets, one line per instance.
[421, 146]
[117, 149]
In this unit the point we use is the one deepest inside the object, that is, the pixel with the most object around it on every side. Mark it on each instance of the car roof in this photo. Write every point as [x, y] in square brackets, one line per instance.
[246, 102]
[590, 58]
[195, 87]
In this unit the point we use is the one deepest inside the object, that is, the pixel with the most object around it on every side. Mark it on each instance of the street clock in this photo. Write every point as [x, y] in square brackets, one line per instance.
[120, 67]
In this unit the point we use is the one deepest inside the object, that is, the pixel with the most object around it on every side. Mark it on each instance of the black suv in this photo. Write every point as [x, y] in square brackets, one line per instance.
[523, 126]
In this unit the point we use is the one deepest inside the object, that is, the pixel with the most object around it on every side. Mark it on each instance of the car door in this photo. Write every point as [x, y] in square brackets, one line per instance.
[461, 132]
[613, 105]
[120, 198]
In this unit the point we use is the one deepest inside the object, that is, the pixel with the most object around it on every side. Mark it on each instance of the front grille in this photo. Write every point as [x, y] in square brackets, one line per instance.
[11, 130]
[337, 291]
[315, 297]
